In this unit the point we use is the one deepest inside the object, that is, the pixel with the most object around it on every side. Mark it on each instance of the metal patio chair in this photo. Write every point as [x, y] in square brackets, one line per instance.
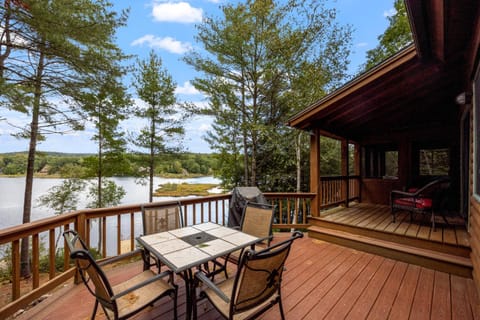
[122, 300]
[160, 218]
[256, 286]
[257, 219]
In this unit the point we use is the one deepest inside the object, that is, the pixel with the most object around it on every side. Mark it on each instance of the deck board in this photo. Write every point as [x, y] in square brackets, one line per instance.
[386, 297]
[441, 308]
[422, 302]
[321, 281]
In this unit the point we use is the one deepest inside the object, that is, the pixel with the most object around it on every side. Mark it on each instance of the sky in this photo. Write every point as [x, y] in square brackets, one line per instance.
[168, 28]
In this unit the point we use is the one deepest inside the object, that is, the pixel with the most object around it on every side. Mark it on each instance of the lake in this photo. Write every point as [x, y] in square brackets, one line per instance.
[12, 191]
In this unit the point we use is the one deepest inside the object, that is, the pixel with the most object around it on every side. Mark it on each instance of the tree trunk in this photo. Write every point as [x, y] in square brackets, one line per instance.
[152, 161]
[245, 142]
[298, 161]
[27, 202]
[99, 179]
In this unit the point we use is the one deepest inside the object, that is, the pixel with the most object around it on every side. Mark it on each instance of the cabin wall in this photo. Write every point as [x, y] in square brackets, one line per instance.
[474, 218]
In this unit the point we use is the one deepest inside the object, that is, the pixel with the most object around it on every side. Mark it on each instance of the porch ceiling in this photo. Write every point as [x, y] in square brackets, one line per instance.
[415, 88]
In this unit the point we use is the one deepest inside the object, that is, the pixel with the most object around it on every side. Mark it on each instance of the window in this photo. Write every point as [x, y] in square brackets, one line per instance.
[434, 162]
[380, 162]
[391, 163]
[476, 136]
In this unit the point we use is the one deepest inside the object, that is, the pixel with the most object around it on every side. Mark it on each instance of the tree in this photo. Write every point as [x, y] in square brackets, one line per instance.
[63, 198]
[396, 36]
[58, 50]
[156, 88]
[106, 107]
[255, 55]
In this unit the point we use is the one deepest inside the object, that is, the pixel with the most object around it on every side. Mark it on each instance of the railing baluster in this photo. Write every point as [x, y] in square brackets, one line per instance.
[35, 261]
[51, 255]
[119, 234]
[132, 231]
[16, 269]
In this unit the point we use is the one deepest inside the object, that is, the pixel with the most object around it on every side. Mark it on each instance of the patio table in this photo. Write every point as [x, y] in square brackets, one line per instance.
[189, 247]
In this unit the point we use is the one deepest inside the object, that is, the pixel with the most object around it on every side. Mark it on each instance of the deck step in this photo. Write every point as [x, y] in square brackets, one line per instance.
[441, 261]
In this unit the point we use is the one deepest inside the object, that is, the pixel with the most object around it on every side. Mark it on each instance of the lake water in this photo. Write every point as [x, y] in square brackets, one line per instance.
[12, 193]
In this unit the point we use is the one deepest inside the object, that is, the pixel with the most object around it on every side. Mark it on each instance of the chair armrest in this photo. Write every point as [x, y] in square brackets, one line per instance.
[143, 283]
[402, 193]
[296, 235]
[209, 283]
[120, 257]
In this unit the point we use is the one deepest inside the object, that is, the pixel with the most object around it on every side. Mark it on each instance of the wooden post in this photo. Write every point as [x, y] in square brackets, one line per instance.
[315, 186]
[345, 173]
[357, 170]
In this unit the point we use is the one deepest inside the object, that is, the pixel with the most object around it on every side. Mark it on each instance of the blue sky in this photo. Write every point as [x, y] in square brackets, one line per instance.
[168, 27]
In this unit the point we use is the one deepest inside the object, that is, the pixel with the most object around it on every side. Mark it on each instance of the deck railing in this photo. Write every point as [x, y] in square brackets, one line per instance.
[117, 229]
[333, 190]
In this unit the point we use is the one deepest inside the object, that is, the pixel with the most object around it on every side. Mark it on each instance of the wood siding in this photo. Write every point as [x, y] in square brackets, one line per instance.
[475, 241]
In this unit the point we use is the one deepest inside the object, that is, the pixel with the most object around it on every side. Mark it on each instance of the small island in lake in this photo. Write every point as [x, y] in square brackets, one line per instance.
[185, 189]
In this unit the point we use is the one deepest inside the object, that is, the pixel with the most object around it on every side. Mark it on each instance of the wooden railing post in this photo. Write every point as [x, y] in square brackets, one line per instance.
[315, 183]
[345, 179]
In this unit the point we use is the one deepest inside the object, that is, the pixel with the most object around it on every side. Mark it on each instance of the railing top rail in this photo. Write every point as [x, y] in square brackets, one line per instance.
[339, 177]
[16, 232]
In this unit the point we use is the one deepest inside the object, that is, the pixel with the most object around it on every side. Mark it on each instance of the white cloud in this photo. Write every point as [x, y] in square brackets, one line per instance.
[362, 44]
[204, 127]
[166, 43]
[180, 12]
[187, 88]
[390, 12]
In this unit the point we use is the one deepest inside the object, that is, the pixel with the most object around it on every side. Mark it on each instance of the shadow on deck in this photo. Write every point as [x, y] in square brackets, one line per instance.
[322, 281]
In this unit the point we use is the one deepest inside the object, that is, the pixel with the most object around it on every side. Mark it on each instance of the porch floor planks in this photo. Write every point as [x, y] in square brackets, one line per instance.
[422, 302]
[321, 281]
[319, 286]
[387, 295]
[344, 304]
[441, 308]
[364, 303]
[379, 218]
[332, 297]
[406, 292]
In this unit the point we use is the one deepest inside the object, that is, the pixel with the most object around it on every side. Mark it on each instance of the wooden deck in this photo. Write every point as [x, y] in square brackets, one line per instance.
[378, 218]
[370, 228]
[321, 281]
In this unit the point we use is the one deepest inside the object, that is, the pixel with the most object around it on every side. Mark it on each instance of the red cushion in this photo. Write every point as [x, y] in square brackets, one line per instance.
[419, 203]
[412, 190]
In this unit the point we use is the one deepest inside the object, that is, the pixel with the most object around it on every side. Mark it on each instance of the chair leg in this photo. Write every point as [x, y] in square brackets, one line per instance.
[433, 220]
[282, 315]
[94, 310]
[175, 296]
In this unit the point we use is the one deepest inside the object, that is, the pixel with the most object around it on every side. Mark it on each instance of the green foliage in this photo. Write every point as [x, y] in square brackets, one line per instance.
[64, 197]
[156, 87]
[108, 195]
[44, 263]
[254, 65]
[84, 165]
[397, 36]
[184, 189]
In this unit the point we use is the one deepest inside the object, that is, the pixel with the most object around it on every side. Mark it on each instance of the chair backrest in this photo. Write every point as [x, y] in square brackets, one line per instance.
[89, 270]
[257, 220]
[433, 187]
[162, 218]
[259, 275]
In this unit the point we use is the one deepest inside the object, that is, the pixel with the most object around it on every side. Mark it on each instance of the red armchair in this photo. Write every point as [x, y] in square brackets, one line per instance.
[428, 199]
